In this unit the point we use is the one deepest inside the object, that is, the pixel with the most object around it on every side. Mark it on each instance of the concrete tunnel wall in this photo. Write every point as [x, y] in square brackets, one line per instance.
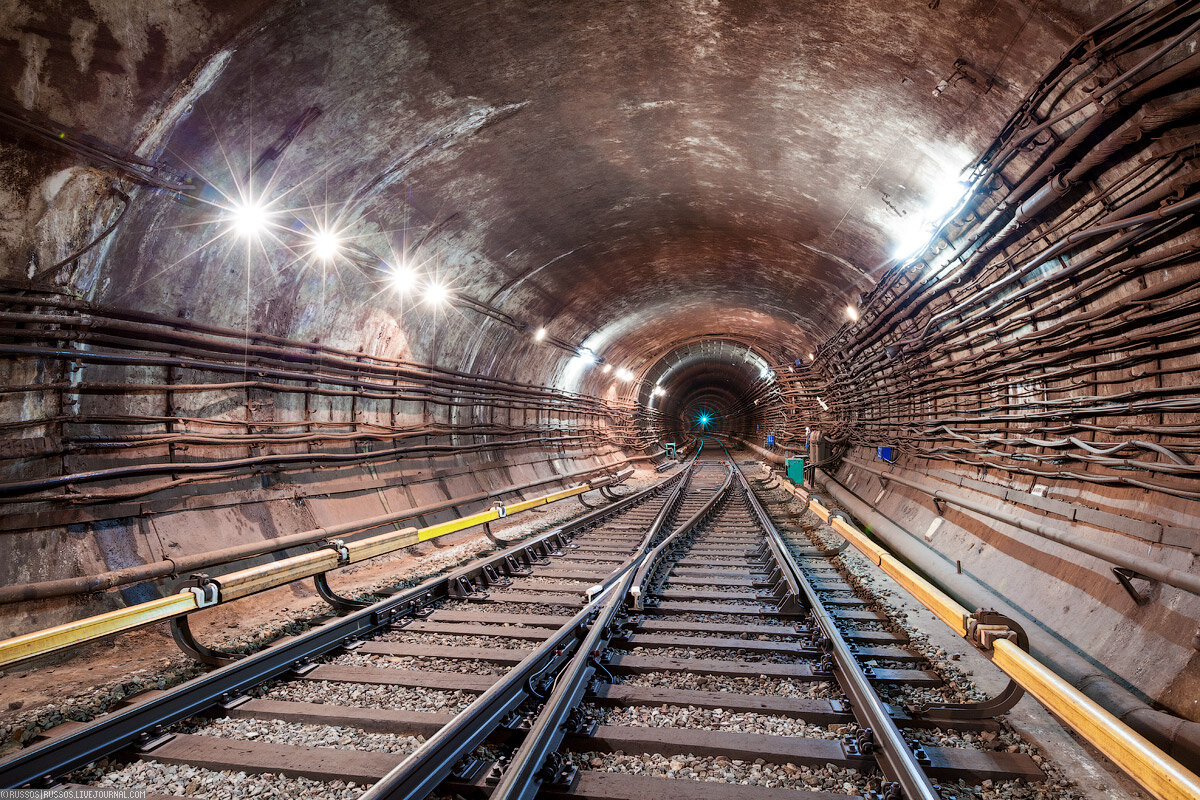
[686, 189]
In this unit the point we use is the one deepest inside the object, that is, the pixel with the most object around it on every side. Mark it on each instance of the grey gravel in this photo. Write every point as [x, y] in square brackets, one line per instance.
[360, 695]
[181, 779]
[721, 769]
[456, 640]
[757, 685]
[459, 665]
[274, 731]
[708, 719]
[718, 654]
[499, 607]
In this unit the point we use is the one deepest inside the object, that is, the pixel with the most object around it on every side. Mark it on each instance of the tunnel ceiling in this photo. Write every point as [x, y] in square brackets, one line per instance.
[629, 175]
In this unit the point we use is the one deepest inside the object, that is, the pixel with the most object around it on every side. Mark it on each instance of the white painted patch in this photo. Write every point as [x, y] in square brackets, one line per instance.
[879, 496]
[157, 136]
[933, 526]
[1038, 490]
[54, 184]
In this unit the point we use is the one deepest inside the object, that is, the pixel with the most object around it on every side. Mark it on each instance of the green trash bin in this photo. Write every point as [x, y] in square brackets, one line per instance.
[795, 470]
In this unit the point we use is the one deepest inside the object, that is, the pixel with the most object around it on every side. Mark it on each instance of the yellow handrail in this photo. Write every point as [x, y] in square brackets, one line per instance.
[252, 580]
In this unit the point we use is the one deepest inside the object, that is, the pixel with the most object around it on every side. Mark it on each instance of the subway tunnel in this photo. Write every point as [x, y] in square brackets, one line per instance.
[277, 267]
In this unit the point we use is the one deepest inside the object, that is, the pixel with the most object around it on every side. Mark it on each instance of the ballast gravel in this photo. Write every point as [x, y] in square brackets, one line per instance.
[707, 719]
[457, 640]
[504, 607]
[274, 731]
[717, 654]
[758, 685]
[360, 695]
[725, 770]
[462, 666]
[180, 779]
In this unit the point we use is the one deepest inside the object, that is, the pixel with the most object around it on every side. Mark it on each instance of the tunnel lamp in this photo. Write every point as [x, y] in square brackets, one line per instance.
[607, 369]
[624, 375]
[812, 356]
[403, 278]
[852, 313]
[325, 244]
[540, 335]
[704, 420]
[912, 240]
[248, 219]
[436, 294]
[659, 391]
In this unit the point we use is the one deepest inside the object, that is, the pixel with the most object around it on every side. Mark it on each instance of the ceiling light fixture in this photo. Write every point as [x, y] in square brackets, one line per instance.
[540, 335]
[325, 244]
[436, 294]
[403, 277]
[852, 313]
[247, 219]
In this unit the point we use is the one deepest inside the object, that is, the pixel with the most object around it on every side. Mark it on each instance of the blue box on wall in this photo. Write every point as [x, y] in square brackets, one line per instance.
[884, 453]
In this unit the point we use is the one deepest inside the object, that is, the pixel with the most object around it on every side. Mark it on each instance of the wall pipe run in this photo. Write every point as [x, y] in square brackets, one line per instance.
[1180, 738]
[1113, 555]
[252, 580]
[86, 584]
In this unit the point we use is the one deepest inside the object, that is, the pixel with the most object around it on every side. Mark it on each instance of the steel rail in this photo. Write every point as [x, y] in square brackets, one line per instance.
[118, 730]
[533, 761]
[420, 774]
[895, 757]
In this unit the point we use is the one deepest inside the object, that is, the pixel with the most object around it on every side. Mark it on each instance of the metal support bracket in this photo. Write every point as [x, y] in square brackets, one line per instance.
[983, 627]
[983, 709]
[340, 603]
[181, 632]
[1126, 577]
[339, 547]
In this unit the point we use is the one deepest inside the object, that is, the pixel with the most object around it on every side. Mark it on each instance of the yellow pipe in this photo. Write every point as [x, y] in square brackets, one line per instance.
[1157, 772]
[249, 581]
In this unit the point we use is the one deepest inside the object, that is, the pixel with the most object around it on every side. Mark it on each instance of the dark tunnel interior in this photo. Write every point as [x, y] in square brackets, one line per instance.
[272, 267]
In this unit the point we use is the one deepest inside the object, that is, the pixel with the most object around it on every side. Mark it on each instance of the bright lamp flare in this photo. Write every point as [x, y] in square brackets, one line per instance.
[325, 244]
[436, 293]
[607, 369]
[624, 375]
[540, 335]
[248, 219]
[403, 278]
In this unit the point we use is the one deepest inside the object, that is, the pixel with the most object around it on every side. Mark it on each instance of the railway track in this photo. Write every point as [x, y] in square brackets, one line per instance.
[674, 635]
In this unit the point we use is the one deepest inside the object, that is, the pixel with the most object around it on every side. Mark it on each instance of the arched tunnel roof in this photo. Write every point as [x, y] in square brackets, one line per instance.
[630, 176]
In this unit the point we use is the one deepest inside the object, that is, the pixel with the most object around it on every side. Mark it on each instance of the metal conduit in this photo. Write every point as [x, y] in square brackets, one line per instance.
[1151, 569]
[87, 584]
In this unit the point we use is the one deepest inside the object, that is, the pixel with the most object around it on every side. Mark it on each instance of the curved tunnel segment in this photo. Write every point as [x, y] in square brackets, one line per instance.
[272, 269]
